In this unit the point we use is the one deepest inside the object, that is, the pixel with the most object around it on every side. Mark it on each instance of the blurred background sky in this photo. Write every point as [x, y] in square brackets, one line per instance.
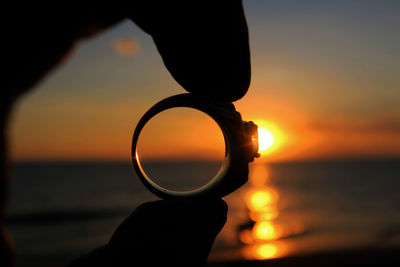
[325, 82]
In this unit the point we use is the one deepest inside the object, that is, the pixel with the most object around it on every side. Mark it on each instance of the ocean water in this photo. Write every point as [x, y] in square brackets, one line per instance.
[60, 210]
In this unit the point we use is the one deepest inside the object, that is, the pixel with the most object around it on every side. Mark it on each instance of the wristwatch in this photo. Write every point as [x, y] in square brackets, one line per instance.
[241, 147]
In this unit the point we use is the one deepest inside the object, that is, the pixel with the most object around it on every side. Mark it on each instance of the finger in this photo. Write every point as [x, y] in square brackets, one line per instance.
[203, 44]
[175, 230]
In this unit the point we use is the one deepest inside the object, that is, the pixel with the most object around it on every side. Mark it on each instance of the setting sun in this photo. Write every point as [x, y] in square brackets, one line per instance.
[271, 139]
[265, 139]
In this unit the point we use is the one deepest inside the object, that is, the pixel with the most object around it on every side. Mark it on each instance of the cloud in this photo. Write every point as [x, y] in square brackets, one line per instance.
[126, 47]
[386, 124]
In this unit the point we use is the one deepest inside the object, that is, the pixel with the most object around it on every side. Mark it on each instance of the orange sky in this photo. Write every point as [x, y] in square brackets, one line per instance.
[325, 82]
[107, 135]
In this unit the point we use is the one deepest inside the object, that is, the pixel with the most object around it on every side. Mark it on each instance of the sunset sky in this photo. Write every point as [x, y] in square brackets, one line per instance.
[325, 82]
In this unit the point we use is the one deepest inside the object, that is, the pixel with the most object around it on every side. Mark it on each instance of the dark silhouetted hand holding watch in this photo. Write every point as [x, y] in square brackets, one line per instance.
[204, 45]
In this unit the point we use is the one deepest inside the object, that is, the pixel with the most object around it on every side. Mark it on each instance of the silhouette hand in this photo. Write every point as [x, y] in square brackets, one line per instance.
[167, 232]
[204, 45]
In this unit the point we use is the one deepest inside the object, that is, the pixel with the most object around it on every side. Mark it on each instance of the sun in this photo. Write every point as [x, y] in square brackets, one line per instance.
[265, 139]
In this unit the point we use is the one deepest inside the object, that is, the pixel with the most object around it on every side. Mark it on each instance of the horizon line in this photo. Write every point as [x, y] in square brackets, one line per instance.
[120, 160]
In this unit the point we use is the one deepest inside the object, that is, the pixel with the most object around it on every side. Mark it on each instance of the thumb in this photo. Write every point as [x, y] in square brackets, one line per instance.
[171, 231]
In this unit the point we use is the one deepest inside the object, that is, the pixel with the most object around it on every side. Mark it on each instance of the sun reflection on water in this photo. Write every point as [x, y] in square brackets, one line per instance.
[265, 214]
[261, 198]
[261, 233]
[266, 230]
[266, 250]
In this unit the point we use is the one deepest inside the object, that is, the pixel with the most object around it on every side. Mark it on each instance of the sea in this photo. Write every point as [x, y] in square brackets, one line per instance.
[58, 211]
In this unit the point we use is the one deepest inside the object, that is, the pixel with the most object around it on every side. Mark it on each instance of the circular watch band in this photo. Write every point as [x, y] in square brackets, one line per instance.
[238, 152]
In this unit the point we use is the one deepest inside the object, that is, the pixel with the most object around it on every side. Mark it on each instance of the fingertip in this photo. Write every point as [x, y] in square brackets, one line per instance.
[222, 212]
[218, 205]
[204, 46]
[212, 211]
